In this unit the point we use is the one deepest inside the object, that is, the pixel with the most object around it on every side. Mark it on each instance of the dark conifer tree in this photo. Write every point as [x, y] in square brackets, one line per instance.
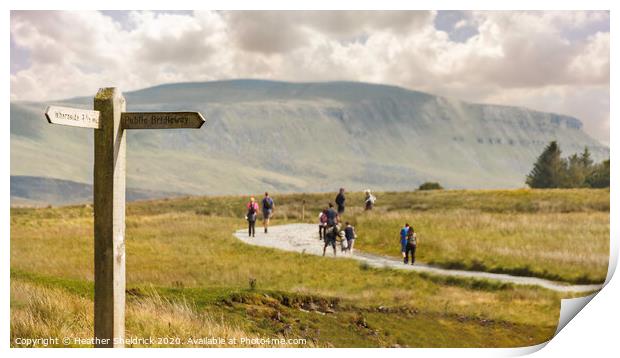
[549, 170]
[599, 176]
[575, 173]
[586, 159]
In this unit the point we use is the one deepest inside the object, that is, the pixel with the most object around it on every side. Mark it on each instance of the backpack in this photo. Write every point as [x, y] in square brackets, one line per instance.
[323, 218]
[412, 240]
[268, 203]
[333, 231]
[252, 212]
[331, 217]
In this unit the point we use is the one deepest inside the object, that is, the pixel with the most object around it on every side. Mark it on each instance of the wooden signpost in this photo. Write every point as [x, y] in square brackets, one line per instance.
[110, 120]
[161, 120]
[72, 117]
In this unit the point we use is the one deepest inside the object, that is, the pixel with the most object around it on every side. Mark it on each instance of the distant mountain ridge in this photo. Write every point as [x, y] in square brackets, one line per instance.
[280, 136]
[37, 191]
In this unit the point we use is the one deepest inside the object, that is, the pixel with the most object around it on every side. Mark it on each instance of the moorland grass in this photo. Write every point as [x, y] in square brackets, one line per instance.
[48, 311]
[183, 252]
[557, 234]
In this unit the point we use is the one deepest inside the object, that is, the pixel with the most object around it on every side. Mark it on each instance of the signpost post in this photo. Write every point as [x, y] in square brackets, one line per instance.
[110, 120]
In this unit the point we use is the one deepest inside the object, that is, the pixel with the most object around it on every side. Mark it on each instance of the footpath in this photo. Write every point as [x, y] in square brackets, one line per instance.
[303, 238]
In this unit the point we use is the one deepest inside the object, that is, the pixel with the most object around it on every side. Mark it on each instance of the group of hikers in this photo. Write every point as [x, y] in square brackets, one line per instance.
[331, 228]
[408, 243]
[252, 207]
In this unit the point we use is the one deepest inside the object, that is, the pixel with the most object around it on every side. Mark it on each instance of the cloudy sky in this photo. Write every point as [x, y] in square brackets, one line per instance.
[552, 61]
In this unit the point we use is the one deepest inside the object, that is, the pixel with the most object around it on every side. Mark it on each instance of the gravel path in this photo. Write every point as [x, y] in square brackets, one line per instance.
[305, 238]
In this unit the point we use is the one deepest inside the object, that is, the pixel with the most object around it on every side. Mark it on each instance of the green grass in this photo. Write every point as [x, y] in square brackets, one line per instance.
[183, 260]
[571, 247]
[558, 234]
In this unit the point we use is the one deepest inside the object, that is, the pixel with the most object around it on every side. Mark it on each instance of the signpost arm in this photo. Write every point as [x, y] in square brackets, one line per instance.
[109, 206]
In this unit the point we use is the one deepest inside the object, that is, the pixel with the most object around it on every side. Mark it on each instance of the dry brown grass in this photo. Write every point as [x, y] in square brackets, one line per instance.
[39, 311]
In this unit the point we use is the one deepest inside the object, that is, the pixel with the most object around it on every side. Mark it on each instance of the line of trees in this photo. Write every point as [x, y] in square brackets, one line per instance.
[576, 171]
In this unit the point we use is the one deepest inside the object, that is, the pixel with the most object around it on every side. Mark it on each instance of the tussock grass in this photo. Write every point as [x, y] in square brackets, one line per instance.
[39, 311]
[43, 312]
[41, 307]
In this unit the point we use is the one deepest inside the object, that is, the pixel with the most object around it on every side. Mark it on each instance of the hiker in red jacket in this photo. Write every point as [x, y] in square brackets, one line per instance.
[252, 207]
[322, 223]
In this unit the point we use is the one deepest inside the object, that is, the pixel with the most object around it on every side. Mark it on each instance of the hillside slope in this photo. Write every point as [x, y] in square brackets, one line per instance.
[278, 136]
[28, 191]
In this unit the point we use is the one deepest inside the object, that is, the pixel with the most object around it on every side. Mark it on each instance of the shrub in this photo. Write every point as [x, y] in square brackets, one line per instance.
[430, 186]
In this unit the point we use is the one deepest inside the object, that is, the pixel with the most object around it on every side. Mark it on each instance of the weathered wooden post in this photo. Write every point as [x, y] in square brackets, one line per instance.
[110, 121]
[109, 207]
[303, 209]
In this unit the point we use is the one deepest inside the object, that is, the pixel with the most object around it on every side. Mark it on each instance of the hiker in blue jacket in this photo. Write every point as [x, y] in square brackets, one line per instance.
[268, 207]
[403, 241]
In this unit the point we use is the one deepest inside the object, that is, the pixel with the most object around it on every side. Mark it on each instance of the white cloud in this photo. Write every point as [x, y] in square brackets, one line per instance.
[543, 60]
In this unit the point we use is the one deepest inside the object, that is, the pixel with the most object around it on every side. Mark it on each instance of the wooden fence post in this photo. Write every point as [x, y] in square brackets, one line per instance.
[109, 207]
